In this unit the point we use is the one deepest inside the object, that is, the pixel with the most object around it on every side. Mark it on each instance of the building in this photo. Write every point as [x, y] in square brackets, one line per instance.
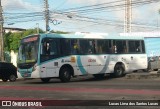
[13, 30]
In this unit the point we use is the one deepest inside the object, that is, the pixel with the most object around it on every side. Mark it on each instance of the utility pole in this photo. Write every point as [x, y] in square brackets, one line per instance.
[47, 15]
[37, 28]
[128, 16]
[1, 35]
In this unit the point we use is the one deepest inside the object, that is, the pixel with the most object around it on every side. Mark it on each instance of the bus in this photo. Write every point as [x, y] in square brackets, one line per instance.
[64, 56]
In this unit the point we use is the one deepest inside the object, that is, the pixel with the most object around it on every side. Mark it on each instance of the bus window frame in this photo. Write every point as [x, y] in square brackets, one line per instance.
[46, 57]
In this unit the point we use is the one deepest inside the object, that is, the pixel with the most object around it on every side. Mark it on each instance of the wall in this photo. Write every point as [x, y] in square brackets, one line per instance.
[14, 61]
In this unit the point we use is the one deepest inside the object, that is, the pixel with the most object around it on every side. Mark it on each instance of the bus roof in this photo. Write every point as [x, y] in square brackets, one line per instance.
[91, 36]
[142, 34]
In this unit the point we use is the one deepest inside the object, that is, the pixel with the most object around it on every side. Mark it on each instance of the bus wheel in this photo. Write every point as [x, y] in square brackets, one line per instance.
[45, 80]
[65, 74]
[155, 69]
[98, 76]
[12, 78]
[118, 70]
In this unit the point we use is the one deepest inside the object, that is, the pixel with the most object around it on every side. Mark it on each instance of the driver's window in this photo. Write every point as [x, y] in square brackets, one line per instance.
[49, 49]
[46, 48]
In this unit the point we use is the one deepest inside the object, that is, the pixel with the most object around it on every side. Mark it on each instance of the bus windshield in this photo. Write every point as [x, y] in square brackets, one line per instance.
[28, 52]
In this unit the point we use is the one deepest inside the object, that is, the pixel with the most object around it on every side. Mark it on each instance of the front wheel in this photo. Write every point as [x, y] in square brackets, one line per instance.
[65, 74]
[118, 71]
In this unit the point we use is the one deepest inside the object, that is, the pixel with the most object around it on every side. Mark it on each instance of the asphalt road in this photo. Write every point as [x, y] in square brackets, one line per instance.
[85, 88]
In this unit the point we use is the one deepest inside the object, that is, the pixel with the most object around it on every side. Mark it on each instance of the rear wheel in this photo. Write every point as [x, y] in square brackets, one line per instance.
[118, 70]
[65, 74]
[45, 80]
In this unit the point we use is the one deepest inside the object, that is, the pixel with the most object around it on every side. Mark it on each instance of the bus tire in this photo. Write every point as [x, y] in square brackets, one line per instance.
[98, 76]
[118, 70]
[65, 74]
[12, 78]
[45, 80]
[155, 69]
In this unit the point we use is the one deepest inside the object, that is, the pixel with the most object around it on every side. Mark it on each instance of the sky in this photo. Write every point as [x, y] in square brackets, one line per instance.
[30, 14]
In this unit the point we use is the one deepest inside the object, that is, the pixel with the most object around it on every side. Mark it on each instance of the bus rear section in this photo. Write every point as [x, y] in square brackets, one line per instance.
[153, 52]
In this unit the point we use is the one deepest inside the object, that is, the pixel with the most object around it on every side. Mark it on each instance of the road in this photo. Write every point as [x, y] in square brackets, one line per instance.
[84, 88]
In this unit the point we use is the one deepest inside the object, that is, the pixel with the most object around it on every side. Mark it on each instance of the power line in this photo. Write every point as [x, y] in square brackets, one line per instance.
[99, 9]
[102, 21]
[93, 11]
[61, 4]
[80, 13]
[108, 10]
[90, 6]
[109, 7]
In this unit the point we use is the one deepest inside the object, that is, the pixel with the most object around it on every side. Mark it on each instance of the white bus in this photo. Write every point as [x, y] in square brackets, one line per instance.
[63, 56]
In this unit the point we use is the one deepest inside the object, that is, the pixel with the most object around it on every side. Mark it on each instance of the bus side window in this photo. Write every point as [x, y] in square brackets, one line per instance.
[75, 46]
[46, 48]
[92, 48]
[138, 46]
[125, 49]
[103, 46]
[143, 47]
[135, 46]
[99, 46]
[65, 46]
[83, 46]
[121, 46]
[131, 46]
[114, 47]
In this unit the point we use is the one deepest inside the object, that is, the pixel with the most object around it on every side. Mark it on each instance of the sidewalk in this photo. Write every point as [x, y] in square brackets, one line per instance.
[143, 75]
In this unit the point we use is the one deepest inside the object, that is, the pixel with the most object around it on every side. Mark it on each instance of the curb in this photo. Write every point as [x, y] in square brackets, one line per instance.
[146, 75]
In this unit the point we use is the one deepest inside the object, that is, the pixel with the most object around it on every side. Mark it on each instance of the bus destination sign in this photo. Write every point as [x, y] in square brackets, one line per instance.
[30, 39]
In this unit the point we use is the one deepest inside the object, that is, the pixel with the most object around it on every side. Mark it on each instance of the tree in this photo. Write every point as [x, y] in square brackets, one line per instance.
[6, 41]
[12, 40]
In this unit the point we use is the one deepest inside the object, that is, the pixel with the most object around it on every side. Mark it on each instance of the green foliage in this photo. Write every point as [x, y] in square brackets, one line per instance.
[59, 32]
[12, 40]
[6, 41]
